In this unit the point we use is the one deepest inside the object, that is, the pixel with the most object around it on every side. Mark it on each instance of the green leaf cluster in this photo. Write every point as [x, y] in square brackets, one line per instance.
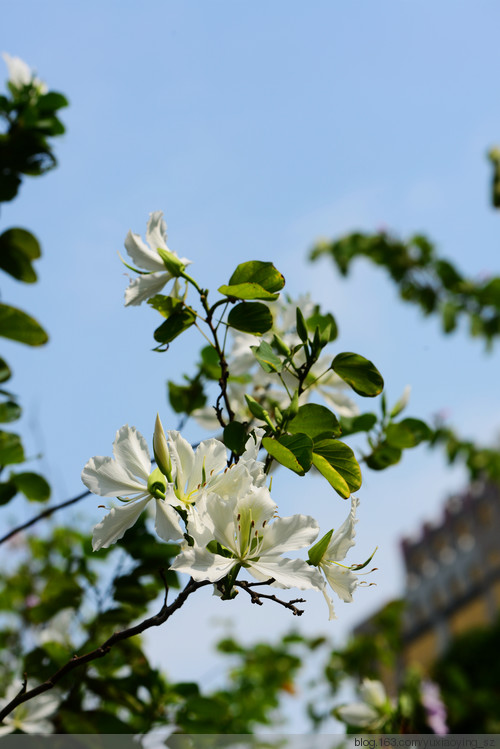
[423, 278]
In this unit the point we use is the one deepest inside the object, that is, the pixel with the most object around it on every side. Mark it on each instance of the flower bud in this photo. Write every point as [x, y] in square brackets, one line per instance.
[160, 449]
[173, 264]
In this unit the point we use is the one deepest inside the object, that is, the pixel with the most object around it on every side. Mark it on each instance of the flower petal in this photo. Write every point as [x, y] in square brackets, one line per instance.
[141, 254]
[156, 233]
[211, 458]
[341, 580]
[372, 691]
[342, 539]
[131, 450]
[113, 526]
[357, 714]
[167, 521]
[20, 73]
[222, 516]
[41, 707]
[40, 727]
[293, 532]
[108, 478]
[144, 287]
[234, 482]
[287, 573]
[329, 603]
[259, 503]
[182, 455]
[202, 564]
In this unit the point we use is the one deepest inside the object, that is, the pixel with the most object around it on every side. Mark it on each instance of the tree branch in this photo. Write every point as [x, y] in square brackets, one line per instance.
[257, 597]
[45, 514]
[79, 660]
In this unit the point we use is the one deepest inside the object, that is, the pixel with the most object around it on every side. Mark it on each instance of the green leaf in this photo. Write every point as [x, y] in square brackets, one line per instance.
[179, 321]
[258, 272]
[267, 358]
[317, 552]
[315, 421]
[164, 304]
[361, 423]
[247, 291]
[32, 485]
[326, 323]
[407, 433]
[18, 248]
[490, 293]
[235, 437]
[7, 491]
[11, 449]
[184, 399]
[18, 326]
[331, 475]
[251, 317]
[449, 313]
[52, 101]
[342, 470]
[9, 411]
[5, 373]
[210, 363]
[292, 451]
[383, 456]
[360, 373]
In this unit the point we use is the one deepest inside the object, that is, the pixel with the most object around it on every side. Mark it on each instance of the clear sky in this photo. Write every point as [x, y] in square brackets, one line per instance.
[257, 128]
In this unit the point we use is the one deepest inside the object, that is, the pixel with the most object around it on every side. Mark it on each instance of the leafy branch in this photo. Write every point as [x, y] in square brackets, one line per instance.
[161, 617]
[424, 279]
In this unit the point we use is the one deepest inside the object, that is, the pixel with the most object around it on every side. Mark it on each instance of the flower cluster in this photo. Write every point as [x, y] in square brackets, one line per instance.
[223, 513]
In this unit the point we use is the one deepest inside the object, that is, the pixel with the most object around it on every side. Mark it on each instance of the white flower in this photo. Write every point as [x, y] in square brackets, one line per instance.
[21, 75]
[29, 716]
[247, 537]
[184, 477]
[153, 257]
[339, 576]
[128, 475]
[372, 712]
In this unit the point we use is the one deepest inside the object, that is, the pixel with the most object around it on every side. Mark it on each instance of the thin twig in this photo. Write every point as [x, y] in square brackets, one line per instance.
[79, 660]
[257, 597]
[45, 514]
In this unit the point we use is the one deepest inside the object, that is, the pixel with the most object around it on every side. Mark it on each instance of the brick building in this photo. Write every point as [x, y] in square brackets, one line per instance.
[452, 574]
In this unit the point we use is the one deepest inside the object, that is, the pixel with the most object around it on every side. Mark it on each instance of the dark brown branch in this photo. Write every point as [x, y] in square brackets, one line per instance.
[257, 597]
[223, 364]
[79, 660]
[45, 514]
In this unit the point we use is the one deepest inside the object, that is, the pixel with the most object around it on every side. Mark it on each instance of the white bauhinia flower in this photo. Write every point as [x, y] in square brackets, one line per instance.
[182, 477]
[21, 75]
[193, 473]
[247, 536]
[128, 476]
[328, 555]
[156, 262]
[372, 712]
[29, 716]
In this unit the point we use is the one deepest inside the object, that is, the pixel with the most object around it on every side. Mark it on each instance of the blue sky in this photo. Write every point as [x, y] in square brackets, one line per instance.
[257, 128]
